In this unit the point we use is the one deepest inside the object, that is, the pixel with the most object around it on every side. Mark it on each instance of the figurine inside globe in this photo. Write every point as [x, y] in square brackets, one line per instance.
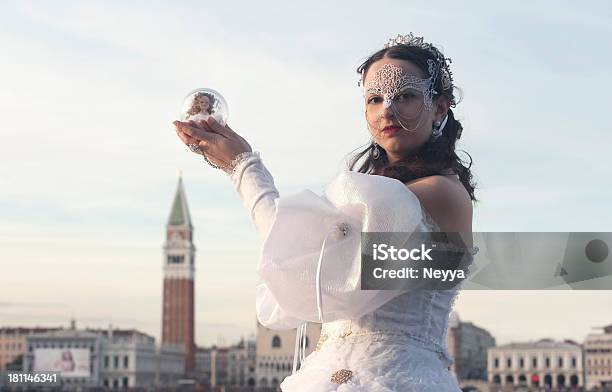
[202, 103]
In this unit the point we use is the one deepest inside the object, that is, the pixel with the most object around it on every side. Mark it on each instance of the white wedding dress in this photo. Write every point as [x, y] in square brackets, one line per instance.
[371, 340]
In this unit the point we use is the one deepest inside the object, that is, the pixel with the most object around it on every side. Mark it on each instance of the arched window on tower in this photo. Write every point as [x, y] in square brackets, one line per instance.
[276, 341]
[176, 259]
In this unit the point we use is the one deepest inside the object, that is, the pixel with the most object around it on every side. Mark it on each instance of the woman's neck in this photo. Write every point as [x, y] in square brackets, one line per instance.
[393, 158]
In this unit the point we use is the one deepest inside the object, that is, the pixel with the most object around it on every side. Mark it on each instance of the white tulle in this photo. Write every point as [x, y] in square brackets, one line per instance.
[304, 221]
[397, 340]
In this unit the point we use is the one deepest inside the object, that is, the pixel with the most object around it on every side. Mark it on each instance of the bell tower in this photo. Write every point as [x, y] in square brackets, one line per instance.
[179, 271]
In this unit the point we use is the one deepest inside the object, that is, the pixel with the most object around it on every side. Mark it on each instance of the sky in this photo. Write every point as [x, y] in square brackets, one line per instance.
[90, 158]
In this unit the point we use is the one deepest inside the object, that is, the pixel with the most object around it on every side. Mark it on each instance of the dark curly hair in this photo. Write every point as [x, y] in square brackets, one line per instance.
[435, 156]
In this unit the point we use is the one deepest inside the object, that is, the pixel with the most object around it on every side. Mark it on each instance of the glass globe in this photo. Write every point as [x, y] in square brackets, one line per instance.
[202, 103]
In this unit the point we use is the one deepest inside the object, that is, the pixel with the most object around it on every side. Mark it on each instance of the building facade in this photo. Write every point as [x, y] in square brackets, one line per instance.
[128, 359]
[598, 358]
[178, 321]
[212, 366]
[241, 363]
[13, 345]
[203, 365]
[544, 363]
[74, 353]
[170, 364]
[110, 358]
[232, 366]
[274, 353]
[468, 345]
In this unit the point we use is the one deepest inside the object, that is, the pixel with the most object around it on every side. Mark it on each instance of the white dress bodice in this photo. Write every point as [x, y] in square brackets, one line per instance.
[400, 346]
[419, 315]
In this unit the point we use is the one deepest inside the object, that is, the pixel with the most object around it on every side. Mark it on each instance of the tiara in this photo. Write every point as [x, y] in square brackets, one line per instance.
[442, 62]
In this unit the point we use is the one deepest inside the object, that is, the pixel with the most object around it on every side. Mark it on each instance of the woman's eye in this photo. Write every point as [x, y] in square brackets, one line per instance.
[374, 100]
[406, 96]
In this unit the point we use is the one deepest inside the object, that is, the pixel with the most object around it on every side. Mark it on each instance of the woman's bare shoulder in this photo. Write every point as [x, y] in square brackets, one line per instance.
[446, 200]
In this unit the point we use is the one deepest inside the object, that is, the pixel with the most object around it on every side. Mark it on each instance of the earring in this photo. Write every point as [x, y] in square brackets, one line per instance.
[438, 127]
[376, 152]
[436, 130]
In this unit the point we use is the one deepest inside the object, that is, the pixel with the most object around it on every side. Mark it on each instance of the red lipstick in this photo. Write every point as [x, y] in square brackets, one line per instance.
[390, 130]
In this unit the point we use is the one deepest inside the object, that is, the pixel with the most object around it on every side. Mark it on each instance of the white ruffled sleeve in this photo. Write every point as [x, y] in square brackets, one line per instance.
[305, 231]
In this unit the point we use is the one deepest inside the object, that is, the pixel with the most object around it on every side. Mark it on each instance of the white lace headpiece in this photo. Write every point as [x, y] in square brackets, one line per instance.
[442, 62]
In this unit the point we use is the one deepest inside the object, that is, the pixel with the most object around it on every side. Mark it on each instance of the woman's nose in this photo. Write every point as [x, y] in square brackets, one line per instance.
[388, 112]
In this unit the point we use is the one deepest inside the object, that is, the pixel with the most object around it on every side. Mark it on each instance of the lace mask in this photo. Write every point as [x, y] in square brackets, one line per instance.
[390, 81]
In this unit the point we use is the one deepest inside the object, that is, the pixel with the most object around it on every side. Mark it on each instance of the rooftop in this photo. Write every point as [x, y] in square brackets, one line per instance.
[540, 344]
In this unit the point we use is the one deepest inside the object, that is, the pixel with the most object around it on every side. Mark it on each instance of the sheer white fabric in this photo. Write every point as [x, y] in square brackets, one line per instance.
[296, 227]
[396, 339]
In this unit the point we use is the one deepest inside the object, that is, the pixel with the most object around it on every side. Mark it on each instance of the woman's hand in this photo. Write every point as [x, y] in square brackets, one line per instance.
[220, 144]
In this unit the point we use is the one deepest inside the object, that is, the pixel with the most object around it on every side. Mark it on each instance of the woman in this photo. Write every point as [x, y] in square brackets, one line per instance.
[201, 107]
[66, 363]
[371, 340]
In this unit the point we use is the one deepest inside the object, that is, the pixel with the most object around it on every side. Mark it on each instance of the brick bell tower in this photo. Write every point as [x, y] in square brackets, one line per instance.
[179, 272]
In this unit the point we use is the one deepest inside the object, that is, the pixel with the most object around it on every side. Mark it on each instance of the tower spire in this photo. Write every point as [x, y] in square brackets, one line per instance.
[179, 214]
